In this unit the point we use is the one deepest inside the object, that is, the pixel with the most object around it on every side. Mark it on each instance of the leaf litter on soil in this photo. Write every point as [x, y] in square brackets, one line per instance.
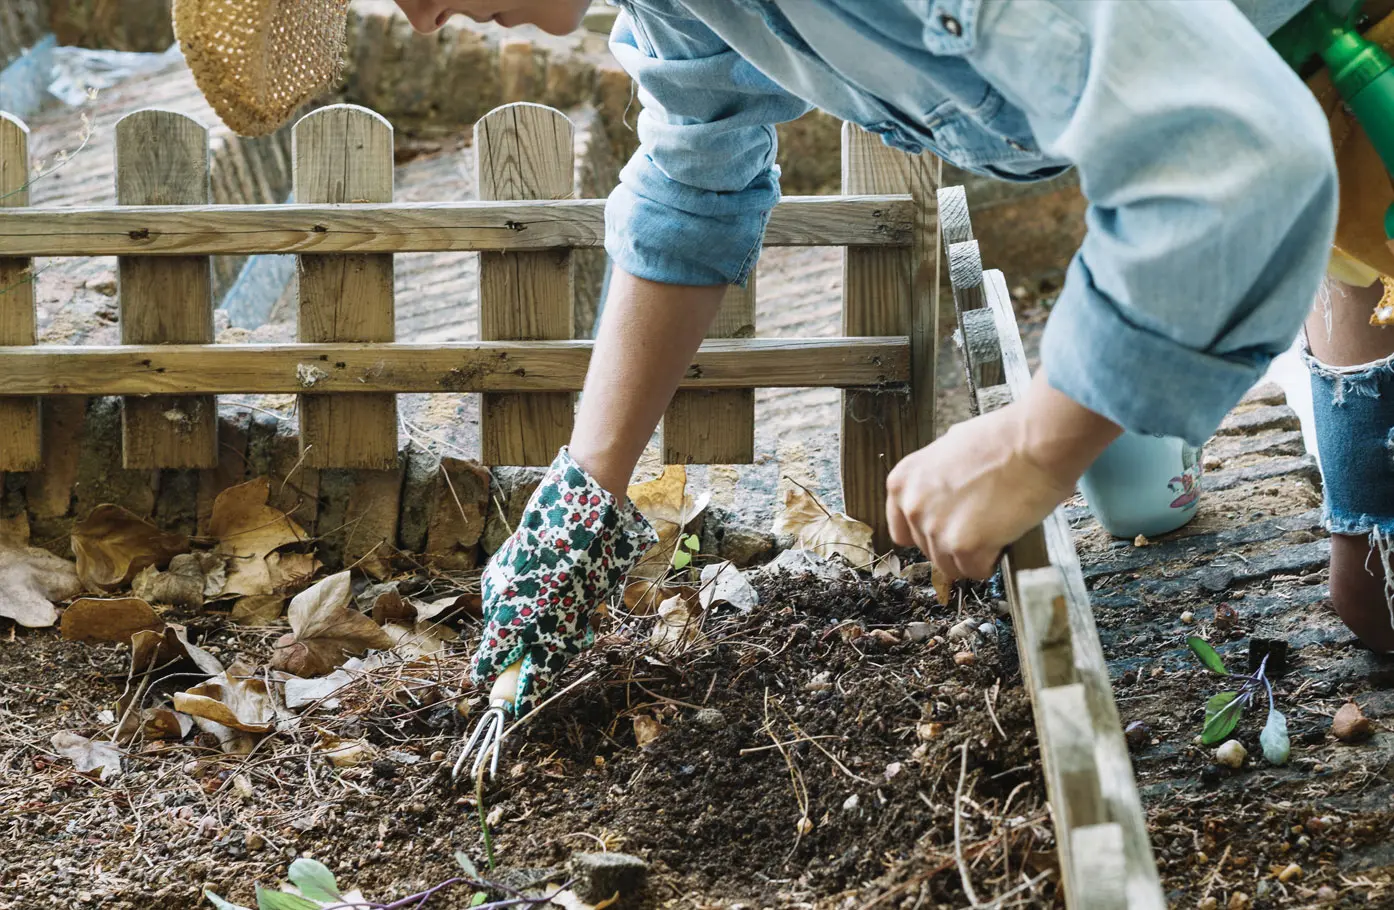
[685, 753]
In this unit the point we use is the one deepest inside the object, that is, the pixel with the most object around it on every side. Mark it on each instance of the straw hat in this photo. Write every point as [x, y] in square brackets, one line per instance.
[258, 61]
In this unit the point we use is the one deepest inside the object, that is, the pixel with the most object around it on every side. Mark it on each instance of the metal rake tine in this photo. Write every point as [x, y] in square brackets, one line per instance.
[489, 748]
[484, 724]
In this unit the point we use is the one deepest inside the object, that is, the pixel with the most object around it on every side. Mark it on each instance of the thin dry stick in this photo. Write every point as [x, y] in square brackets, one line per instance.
[958, 827]
[989, 697]
[819, 746]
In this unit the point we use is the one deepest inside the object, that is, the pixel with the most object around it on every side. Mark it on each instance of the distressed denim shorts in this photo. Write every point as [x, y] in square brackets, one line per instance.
[1353, 411]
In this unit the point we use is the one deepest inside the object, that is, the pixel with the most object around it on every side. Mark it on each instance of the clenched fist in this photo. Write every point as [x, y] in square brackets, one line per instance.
[986, 482]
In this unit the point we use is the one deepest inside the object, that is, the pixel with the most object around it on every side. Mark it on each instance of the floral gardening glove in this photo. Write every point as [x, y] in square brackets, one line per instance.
[573, 547]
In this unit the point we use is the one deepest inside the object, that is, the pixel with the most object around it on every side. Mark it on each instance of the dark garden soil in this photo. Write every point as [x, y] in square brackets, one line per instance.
[818, 705]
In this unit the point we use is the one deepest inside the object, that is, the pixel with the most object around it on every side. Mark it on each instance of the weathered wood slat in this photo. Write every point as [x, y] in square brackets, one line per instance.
[711, 426]
[20, 422]
[343, 154]
[878, 428]
[1074, 661]
[430, 227]
[162, 157]
[525, 152]
[539, 366]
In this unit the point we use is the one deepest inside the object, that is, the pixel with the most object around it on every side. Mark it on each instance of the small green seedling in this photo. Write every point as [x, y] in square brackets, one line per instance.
[682, 557]
[1223, 710]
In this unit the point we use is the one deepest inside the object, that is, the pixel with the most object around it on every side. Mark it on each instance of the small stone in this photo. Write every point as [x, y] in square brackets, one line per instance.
[893, 769]
[599, 876]
[820, 683]
[1188, 617]
[965, 659]
[919, 631]
[254, 841]
[1208, 903]
[1291, 874]
[1326, 895]
[851, 803]
[929, 731]
[438, 756]
[1210, 775]
[1264, 889]
[804, 826]
[884, 638]
[1231, 754]
[963, 631]
[1350, 725]
[1138, 734]
[744, 546]
[1001, 607]
[918, 574]
[1239, 901]
[1141, 541]
[710, 719]
[1216, 580]
[987, 629]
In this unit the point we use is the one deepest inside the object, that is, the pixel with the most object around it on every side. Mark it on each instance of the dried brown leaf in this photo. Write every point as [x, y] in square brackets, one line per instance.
[822, 531]
[722, 582]
[647, 728]
[667, 505]
[422, 640]
[249, 532]
[108, 619]
[325, 630]
[88, 755]
[156, 723]
[345, 753]
[112, 545]
[258, 610]
[230, 705]
[166, 651]
[31, 579]
[184, 584]
[643, 598]
[677, 629]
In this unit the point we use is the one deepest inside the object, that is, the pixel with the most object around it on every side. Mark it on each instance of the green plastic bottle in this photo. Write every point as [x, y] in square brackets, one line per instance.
[1361, 71]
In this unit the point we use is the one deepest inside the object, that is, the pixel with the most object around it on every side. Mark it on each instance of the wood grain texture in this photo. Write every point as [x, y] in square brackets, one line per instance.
[716, 427]
[878, 428]
[1072, 778]
[544, 366]
[1052, 544]
[410, 227]
[525, 152]
[20, 421]
[343, 154]
[162, 158]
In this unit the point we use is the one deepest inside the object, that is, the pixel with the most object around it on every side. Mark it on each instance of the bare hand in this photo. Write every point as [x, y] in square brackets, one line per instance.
[986, 482]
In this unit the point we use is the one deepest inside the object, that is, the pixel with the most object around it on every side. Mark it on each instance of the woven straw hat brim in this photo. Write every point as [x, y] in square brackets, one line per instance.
[259, 61]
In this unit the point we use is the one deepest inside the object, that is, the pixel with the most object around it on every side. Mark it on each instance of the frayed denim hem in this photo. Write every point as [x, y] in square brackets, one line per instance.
[1362, 380]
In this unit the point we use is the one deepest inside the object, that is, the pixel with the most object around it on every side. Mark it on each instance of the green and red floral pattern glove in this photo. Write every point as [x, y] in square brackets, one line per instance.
[571, 551]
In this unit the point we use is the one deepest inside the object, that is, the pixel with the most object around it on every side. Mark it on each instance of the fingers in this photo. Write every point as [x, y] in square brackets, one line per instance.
[901, 531]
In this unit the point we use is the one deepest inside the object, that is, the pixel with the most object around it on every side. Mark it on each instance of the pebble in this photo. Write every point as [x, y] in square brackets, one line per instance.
[1350, 725]
[1140, 541]
[1231, 754]
[254, 841]
[929, 731]
[893, 769]
[987, 629]
[438, 756]
[1188, 617]
[1326, 894]
[1138, 734]
[1209, 903]
[851, 803]
[1291, 874]
[919, 631]
[1239, 901]
[1210, 775]
[965, 659]
[710, 719]
[820, 683]
[964, 630]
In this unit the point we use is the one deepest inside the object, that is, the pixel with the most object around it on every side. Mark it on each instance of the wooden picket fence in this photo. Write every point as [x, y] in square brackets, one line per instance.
[347, 368]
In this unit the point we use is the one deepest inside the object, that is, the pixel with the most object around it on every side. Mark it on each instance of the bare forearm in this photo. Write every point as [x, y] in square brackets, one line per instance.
[1060, 435]
[648, 337]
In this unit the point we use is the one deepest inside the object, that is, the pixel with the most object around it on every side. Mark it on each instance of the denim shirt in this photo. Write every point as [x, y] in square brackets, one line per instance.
[1206, 163]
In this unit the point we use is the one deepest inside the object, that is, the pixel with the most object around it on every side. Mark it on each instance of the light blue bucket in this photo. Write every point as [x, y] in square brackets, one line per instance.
[1144, 484]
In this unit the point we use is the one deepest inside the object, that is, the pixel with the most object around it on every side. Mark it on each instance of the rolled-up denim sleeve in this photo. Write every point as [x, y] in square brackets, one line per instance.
[1211, 187]
[692, 203]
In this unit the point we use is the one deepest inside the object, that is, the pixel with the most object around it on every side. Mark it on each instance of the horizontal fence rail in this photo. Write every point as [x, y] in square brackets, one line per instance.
[401, 227]
[498, 366]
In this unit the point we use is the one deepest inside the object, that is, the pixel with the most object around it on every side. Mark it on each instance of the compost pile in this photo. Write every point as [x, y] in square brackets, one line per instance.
[826, 730]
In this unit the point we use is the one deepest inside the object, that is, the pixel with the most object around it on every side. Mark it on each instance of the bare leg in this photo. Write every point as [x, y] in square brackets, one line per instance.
[648, 336]
[1358, 569]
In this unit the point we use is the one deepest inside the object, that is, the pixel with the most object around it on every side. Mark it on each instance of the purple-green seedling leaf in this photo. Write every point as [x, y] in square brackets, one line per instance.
[315, 881]
[1208, 656]
[479, 898]
[467, 864]
[1277, 747]
[1222, 713]
[222, 904]
[282, 900]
